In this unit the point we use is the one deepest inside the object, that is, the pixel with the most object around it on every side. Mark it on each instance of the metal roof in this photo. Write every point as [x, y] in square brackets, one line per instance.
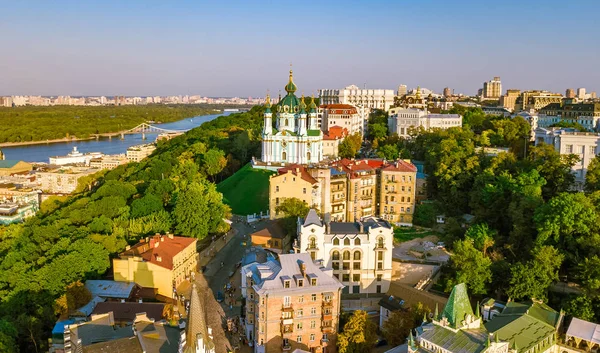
[110, 289]
[587, 331]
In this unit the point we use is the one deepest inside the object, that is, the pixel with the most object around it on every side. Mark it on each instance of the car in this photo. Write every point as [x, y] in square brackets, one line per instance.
[220, 296]
[380, 342]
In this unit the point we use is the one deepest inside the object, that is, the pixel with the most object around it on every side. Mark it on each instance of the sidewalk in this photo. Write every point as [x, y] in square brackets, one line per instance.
[209, 253]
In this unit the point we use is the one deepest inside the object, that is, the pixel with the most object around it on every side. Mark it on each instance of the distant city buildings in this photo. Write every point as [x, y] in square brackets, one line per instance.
[62, 180]
[17, 203]
[509, 100]
[492, 89]
[570, 93]
[139, 152]
[536, 100]
[368, 98]
[402, 120]
[75, 157]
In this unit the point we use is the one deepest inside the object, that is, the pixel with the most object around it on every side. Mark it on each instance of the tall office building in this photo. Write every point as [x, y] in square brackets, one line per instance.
[447, 92]
[570, 93]
[581, 93]
[492, 89]
[402, 90]
[368, 98]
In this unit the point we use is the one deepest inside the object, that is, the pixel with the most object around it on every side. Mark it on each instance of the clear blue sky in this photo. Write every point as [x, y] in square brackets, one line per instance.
[243, 48]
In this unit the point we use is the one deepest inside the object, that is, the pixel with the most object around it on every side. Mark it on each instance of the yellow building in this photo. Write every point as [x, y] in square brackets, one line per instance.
[293, 181]
[8, 167]
[161, 262]
[397, 192]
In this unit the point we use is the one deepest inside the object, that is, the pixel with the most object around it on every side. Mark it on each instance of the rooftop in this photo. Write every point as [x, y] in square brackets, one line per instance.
[587, 331]
[110, 289]
[272, 230]
[128, 310]
[463, 341]
[159, 249]
[297, 170]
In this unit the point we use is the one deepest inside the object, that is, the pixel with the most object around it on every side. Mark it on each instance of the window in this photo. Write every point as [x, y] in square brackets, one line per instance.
[356, 265]
[380, 255]
[582, 149]
[251, 296]
[286, 284]
[335, 265]
[313, 298]
[262, 301]
[299, 338]
[301, 299]
[313, 324]
[300, 312]
[287, 301]
[345, 277]
[284, 156]
[313, 311]
[347, 255]
[277, 188]
[346, 266]
[304, 190]
[379, 278]
[347, 241]
[313, 281]
[593, 150]
[300, 283]
[357, 241]
[286, 315]
[380, 265]
[335, 255]
[336, 241]
[356, 277]
[380, 242]
[378, 288]
[312, 336]
[357, 255]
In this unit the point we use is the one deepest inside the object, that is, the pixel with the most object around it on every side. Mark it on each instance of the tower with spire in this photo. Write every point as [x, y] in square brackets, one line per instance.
[296, 137]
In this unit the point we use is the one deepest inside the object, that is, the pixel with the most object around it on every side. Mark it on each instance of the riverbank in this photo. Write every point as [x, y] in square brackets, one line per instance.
[47, 142]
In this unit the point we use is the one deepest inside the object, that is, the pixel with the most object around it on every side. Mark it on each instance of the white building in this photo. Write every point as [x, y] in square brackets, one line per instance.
[585, 145]
[296, 138]
[342, 115]
[368, 98]
[139, 152]
[75, 157]
[401, 120]
[360, 253]
[63, 180]
[581, 93]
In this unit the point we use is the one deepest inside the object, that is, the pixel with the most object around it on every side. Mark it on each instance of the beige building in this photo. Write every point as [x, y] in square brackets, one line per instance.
[536, 100]
[139, 152]
[345, 116]
[63, 180]
[360, 253]
[293, 181]
[368, 98]
[492, 89]
[10, 167]
[509, 100]
[397, 189]
[161, 262]
[109, 161]
[292, 304]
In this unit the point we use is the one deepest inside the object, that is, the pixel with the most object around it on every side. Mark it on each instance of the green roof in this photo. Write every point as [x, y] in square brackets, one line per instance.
[463, 341]
[313, 132]
[291, 101]
[525, 324]
[458, 306]
[8, 163]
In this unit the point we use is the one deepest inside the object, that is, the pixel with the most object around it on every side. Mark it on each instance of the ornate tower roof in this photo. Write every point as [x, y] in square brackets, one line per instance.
[291, 86]
[302, 105]
[290, 103]
[268, 104]
[458, 306]
[313, 105]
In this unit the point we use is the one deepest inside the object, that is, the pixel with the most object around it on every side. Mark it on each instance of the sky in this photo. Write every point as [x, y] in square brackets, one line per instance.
[244, 48]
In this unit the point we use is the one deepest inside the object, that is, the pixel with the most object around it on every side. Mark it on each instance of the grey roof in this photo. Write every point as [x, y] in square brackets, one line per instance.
[128, 311]
[256, 255]
[88, 308]
[354, 227]
[100, 328]
[463, 341]
[121, 345]
[587, 331]
[157, 338]
[290, 266]
[196, 325]
[110, 289]
[312, 218]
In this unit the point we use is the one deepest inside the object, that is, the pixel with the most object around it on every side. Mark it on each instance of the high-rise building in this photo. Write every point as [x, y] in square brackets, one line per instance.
[292, 304]
[402, 90]
[570, 93]
[492, 89]
[360, 253]
[368, 98]
[593, 95]
[581, 93]
[447, 92]
[510, 98]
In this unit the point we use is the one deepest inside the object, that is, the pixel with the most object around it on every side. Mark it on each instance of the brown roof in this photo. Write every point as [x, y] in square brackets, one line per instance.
[127, 311]
[121, 345]
[400, 166]
[412, 296]
[298, 170]
[272, 230]
[335, 132]
[339, 108]
[159, 249]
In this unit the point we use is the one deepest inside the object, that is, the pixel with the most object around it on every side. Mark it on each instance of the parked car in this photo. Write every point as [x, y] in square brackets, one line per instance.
[220, 296]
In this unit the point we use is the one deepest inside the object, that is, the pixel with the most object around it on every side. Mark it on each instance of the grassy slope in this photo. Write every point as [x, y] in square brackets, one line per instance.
[247, 191]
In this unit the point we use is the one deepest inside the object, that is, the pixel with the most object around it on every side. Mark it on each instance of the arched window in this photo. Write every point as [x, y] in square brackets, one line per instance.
[380, 242]
[357, 241]
[312, 243]
[336, 241]
[346, 241]
[346, 255]
[286, 122]
[284, 156]
[308, 155]
[357, 255]
[335, 255]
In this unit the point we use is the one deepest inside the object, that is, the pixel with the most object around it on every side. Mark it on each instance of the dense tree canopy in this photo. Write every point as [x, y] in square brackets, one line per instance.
[359, 334]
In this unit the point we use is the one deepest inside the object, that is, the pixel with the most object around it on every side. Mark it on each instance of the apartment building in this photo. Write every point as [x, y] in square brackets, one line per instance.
[161, 262]
[348, 189]
[536, 100]
[292, 304]
[584, 114]
[360, 253]
[62, 180]
[139, 152]
[397, 189]
[343, 115]
[368, 98]
[492, 89]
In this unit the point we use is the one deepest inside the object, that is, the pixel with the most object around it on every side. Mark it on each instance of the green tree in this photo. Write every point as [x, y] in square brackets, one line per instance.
[533, 278]
[214, 161]
[389, 152]
[397, 327]
[483, 237]
[554, 168]
[359, 334]
[76, 296]
[377, 132]
[469, 266]
[7, 337]
[101, 225]
[350, 146]
[199, 210]
[425, 214]
[592, 176]
[292, 208]
[589, 275]
[146, 205]
[581, 307]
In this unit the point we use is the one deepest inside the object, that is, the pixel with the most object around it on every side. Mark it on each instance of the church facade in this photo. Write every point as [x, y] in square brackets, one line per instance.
[296, 137]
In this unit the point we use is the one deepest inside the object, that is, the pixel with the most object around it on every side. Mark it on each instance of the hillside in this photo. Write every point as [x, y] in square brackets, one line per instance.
[246, 191]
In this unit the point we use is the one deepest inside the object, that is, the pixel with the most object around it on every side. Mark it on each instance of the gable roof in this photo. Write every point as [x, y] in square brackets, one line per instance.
[587, 331]
[458, 306]
[413, 296]
[297, 170]
[197, 326]
[400, 166]
[272, 230]
[8, 163]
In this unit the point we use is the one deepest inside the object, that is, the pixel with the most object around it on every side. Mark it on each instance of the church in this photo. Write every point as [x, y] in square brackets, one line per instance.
[296, 137]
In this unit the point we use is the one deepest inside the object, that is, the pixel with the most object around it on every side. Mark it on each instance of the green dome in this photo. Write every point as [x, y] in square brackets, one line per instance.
[291, 86]
[289, 104]
[313, 105]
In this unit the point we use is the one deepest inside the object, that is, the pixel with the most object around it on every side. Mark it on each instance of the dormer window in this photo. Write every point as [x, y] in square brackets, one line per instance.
[336, 241]
[300, 283]
[286, 284]
[313, 281]
[346, 241]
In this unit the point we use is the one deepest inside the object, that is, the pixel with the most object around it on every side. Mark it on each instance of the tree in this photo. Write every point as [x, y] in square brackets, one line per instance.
[580, 306]
[292, 208]
[389, 152]
[359, 335]
[199, 210]
[482, 236]
[377, 132]
[589, 275]
[592, 176]
[425, 214]
[350, 146]
[146, 205]
[533, 278]
[554, 168]
[76, 296]
[397, 327]
[214, 161]
[469, 266]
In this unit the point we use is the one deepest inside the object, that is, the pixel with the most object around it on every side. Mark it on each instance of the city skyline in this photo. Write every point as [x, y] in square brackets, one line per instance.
[238, 49]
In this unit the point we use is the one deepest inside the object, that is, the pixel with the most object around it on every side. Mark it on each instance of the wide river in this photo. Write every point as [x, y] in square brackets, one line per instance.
[41, 152]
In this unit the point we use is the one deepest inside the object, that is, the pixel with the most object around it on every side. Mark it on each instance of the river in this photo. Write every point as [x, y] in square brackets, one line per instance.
[41, 152]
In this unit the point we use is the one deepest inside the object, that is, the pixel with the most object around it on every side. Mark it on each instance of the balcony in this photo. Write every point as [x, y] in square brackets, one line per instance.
[287, 329]
[312, 247]
[366, 197]
[327, 317]
[327, 329]
[286, 347]
[328, 303]
[324, 342]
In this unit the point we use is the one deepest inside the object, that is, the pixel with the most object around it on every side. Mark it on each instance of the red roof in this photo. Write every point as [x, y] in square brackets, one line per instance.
[335, 132]
[360, 165]
[159, 249]
[298, 170]
[339, 108]
[401, 166]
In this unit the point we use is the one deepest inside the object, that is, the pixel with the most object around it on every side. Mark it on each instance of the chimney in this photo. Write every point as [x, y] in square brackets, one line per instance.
[162, 238]
[158, 258]
[302, 268]
[297, 170]
[152, 243]
[170, 235]
[156, 243]
[128, 247]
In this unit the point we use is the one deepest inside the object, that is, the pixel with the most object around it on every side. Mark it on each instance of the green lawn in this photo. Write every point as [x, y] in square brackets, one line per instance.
[246, 191]
[402, 234]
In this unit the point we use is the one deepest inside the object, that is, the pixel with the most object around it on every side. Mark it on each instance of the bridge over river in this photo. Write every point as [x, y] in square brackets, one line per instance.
[140, 129]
